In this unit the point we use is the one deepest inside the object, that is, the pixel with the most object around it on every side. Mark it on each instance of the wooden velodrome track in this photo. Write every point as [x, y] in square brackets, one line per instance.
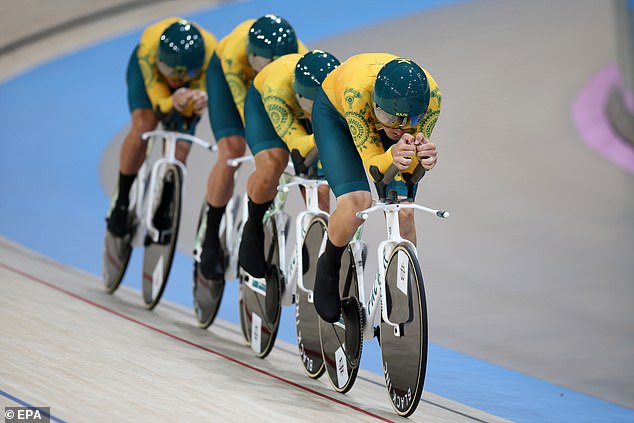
[533, 272]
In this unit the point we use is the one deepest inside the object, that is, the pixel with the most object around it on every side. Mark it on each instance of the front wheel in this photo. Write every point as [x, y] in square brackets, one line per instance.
[207, 293]
[404, 356]
[260, 308]
[158, 256]
[342, 341]
[117, 252]
[306, 317]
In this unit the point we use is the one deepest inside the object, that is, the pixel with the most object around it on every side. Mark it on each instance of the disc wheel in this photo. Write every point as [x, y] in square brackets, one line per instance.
[117, 252]
[306, 317]
[341, 342]
[260, 303]
[207, 293]
[405, 356]
[158, 256]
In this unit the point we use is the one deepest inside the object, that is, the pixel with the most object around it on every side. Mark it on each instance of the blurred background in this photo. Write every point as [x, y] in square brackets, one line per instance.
[531, 280]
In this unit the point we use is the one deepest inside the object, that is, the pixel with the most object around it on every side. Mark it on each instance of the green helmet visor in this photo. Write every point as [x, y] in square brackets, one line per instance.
[402, 122]
[177, 72]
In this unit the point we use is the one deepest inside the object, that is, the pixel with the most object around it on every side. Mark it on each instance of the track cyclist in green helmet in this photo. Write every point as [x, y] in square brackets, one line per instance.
[278, 110]
[374, 111]
[238, 58]
[166, 83]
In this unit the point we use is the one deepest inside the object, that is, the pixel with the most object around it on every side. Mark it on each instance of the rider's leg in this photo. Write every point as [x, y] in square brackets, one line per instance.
[182, 151]
[341, 228]
[407, 225]
[261, 189]
[219, 190]
[228, 128]
[323, 198]
[347, 178]
[131, 158]
[163, 219]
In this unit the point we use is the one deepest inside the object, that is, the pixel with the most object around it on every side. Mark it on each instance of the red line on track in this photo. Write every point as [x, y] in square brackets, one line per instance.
[190, 343]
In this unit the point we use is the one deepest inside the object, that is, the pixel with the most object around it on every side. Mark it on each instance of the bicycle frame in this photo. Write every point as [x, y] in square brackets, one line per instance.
[384, 250]
[147, 193]
[293, 278]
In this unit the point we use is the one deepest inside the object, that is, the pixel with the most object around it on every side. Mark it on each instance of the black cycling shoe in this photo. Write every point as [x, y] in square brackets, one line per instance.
[117, 222]
[251, 252]
[326, 298]
[212, 263]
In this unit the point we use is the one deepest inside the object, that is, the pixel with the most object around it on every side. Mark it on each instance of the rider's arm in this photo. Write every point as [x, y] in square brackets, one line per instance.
[156, 87]
[200, 81]
[285, 120]
[435, 101]
[235, 65]
[366, 136]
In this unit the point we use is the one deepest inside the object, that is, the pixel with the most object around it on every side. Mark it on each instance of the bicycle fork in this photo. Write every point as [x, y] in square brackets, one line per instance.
[157, 175]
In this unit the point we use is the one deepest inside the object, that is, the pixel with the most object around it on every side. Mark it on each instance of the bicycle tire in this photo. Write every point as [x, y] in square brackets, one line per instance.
[261, 308]
[342, 342]
[405, 357]
[116, 253]
[206, 293]
[306, 317]
[158, 256]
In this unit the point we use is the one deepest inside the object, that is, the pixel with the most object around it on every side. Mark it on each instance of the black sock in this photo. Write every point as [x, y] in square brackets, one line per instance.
[333, 254]
[256, 213]
[125, 184]
[214, 216]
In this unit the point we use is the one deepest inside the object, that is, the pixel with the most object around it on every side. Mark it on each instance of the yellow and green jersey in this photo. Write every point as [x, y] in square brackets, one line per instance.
[275, 85]
[159, 92]
[232, 52]
[349, 88]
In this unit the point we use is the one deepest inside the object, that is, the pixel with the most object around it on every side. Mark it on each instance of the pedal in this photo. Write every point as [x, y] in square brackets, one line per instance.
[165, 237]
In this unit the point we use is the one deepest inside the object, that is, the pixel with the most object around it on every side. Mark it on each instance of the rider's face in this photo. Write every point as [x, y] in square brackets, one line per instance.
[175, 82]
[394, 133]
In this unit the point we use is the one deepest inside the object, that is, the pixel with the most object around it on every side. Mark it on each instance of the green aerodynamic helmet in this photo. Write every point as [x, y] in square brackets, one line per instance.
[181, 50]
[270, 37]
[311, 70]
[401, 94]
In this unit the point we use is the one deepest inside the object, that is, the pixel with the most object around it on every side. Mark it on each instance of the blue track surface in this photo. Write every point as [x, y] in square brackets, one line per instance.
[57, 120]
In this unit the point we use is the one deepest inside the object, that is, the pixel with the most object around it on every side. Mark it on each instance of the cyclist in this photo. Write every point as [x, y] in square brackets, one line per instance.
[238, 58]
[166, 83]
[278, 108]
[373, 111]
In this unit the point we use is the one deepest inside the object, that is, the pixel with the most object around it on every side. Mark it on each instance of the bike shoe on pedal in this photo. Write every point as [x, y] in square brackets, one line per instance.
[162, 218]
[327, 301]
[251, 253]
[212, 264]
[117, 222]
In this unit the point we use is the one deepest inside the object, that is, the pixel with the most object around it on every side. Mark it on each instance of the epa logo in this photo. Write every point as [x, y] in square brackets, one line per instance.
[27, 414]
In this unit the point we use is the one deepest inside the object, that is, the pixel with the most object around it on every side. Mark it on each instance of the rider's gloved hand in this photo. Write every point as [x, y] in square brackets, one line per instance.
[403, 151]
[181, 98]
[199, 99]
[425, 151]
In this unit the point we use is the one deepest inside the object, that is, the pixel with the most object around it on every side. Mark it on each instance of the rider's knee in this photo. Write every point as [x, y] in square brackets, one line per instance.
[143, 120]
[182, 151]
[271, 162]
[355, 201]
[232, 146]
